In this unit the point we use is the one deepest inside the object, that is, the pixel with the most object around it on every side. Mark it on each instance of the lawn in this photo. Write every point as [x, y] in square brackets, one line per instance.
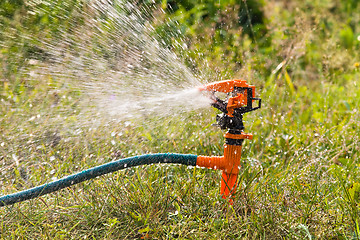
[299, 177]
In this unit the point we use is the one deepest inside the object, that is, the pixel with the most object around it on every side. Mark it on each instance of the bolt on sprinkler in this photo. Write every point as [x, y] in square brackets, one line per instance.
[241, 97]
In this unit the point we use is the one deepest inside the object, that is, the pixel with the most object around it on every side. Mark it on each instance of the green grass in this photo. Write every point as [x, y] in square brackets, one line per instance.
[299, 177]
[295, 181]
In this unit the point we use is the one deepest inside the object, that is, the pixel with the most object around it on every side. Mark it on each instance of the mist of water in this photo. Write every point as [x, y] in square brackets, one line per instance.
[121, 66]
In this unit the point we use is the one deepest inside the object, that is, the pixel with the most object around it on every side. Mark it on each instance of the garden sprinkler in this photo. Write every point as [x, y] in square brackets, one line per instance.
[240, 99]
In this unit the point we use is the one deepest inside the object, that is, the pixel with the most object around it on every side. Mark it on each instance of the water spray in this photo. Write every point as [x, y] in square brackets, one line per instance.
[239, 100]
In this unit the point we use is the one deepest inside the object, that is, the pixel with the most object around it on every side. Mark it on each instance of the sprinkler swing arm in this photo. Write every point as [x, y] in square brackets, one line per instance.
[241, 97]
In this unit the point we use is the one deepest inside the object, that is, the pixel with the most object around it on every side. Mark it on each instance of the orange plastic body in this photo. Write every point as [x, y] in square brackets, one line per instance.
[235, 102]
[229, 164]
[226, 86]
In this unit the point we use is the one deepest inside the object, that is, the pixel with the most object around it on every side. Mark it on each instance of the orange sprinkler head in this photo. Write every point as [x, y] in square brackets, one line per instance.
[243, 96]
[233, 108]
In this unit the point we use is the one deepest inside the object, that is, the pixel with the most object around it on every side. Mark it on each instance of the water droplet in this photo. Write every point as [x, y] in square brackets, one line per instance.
[16, 159]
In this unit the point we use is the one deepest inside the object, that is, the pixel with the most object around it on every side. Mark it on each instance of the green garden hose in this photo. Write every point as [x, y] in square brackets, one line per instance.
[185, 159]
